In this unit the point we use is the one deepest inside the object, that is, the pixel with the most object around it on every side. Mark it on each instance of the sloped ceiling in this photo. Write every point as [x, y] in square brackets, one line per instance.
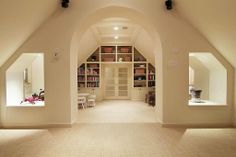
[216, 20]
[18, 20]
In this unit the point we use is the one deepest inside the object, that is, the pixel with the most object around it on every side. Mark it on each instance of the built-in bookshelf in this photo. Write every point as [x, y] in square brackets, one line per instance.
[89, 72]
[108, 53]
[81, 76]
[151, 75]
[93, 74]
[95, 57]
[138, 57]
[124, 53]
[140, 72]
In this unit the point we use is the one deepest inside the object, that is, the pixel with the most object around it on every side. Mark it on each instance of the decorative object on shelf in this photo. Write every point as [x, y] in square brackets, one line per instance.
[195, 95]
[33, 99]
[120, 59]
[94, 58]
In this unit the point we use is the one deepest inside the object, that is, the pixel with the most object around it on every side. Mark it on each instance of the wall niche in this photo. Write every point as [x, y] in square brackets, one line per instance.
[25, 81]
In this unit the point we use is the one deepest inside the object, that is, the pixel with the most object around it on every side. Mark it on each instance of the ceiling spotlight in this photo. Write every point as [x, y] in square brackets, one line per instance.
[116, 37]
[169, 4]
[65, 3]
[116, 28]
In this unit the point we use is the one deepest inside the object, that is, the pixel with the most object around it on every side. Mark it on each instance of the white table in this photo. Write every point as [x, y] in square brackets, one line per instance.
[83, 94]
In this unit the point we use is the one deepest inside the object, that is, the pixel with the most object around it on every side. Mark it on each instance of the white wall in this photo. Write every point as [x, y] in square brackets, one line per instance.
[38, 74]
[144, 44]
[87, 45]
[218, 86]
[15, 89]
[234, 99]
[201, 77]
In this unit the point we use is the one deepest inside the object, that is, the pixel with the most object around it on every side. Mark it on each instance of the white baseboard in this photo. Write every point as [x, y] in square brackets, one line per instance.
[198, 125]
[34, 126]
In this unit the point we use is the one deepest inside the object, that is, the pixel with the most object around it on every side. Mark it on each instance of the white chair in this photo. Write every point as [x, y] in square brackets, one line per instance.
[91, 100]
[82, 101]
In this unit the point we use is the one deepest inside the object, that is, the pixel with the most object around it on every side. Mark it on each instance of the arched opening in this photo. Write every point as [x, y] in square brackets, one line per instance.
[87, 33]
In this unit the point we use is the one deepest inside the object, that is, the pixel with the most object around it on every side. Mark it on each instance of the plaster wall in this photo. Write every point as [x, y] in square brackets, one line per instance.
[201, 77]
[234, 99]
[37, 74]
[15, 88]
[177, 39]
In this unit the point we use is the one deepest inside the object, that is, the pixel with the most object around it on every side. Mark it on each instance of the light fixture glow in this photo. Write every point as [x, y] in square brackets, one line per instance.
[116, 37]
[116, 28]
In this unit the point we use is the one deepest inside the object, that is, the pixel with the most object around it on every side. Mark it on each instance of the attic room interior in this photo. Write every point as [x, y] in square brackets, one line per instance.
[117, 78]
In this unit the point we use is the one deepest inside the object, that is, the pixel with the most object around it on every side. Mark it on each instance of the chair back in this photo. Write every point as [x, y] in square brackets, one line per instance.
[81, 99]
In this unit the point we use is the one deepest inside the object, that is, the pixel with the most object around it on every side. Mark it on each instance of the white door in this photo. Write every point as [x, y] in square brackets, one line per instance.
[116, 82]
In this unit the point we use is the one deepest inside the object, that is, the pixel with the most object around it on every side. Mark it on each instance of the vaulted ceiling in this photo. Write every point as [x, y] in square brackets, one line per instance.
[215, 19]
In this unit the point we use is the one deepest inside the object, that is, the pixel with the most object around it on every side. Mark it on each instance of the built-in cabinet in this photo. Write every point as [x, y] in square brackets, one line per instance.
[142, 73]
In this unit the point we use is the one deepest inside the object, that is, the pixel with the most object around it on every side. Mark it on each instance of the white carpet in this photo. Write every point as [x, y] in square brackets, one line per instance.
[118, 140]
[118, 111]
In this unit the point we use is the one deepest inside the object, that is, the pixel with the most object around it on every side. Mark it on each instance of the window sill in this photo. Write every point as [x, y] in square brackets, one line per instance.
[26, 104]
[205, 103]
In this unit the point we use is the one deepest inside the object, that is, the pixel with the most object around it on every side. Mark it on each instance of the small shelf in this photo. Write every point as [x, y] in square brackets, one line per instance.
[92, 74]
[139, 74]
[93, 68]
[138, 57]
[139, 67]
[92, 62]
[81, 76]
[94, 58]
[107, 53]
[108, 49]
[124, 53]
[151, 75]
[124, 49]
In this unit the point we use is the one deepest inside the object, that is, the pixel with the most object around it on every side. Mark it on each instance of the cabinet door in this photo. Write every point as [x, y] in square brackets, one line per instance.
[139, 93]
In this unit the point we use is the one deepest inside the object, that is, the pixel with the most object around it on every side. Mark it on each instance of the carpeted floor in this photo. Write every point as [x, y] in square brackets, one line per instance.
[118, 111]
[111, 138]
[118, 140]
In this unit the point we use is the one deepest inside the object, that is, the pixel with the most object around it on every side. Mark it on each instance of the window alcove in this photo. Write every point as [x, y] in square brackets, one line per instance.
[207, 80]
[25, 81]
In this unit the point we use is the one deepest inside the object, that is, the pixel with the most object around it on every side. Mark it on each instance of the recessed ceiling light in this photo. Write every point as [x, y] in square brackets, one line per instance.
[116, 37]
[116, 28]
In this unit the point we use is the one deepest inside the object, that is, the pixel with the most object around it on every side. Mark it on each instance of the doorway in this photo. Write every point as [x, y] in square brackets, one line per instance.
[117, 81]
